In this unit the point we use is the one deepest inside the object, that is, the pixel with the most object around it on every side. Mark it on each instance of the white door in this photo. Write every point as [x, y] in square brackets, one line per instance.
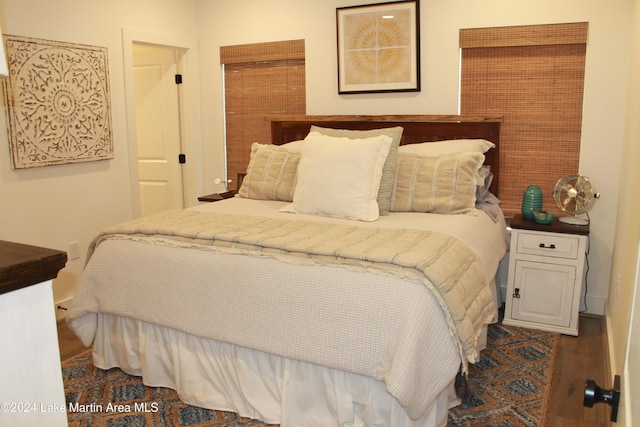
[630, 377]
[157, 128]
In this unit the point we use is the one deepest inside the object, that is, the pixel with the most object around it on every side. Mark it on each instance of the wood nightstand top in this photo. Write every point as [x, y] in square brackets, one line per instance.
[215, 197]
[520, 222]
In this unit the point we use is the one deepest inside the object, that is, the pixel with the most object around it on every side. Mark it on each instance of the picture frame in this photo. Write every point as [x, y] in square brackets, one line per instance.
[379, 47]
[58, 102]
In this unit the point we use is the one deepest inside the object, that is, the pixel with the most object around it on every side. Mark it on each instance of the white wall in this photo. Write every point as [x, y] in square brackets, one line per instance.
[607, 72]
[55, 205]
[627, 235]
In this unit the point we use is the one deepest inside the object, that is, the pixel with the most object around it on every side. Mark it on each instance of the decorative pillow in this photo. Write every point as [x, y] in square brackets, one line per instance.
[340, 177]
[293, 146]
[451, 146]
[395, 133]
[438, 184]
[271, 174]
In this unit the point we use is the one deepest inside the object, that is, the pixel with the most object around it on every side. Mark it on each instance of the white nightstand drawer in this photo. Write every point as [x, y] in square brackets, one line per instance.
[548, 244]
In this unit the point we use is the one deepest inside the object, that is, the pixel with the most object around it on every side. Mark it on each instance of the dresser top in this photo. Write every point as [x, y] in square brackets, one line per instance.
[520, 222]
[24, 265]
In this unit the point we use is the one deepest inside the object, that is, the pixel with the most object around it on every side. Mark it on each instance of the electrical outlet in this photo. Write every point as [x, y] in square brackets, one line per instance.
[74, 250]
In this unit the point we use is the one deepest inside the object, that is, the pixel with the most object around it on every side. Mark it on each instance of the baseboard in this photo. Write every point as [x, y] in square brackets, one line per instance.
[607, 357]
[595, 305]
[61, 308]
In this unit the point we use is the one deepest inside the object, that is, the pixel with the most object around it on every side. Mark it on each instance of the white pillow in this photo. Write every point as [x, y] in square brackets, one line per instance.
[386, 182]
[340, 177]
[452, 146]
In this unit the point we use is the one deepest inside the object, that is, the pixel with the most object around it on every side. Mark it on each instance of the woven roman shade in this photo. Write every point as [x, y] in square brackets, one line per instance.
[533, 76]
[262, 79]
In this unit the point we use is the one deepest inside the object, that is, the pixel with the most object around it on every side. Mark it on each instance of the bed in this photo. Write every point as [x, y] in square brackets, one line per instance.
[291, 303]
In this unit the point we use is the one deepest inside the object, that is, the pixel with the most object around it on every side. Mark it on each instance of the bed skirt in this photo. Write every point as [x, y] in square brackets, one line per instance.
[251, 383]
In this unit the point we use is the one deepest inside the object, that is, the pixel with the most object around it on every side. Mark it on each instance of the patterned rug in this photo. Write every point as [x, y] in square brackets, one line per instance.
[509, 387]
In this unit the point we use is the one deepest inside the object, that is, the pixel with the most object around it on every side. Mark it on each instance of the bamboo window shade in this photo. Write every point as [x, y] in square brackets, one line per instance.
[533, 76]
[261, 79]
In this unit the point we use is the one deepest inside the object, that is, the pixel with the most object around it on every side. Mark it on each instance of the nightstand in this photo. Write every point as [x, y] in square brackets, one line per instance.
[215, 197]
[546, 275]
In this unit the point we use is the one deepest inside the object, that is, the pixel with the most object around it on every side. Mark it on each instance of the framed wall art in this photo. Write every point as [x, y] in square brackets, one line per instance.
[379, 48]
[57, 102]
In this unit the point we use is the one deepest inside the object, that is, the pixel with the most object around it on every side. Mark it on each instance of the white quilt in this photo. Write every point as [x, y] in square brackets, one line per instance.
[323, 313]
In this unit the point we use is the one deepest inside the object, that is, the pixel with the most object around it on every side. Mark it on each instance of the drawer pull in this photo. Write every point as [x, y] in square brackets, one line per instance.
[551, 246]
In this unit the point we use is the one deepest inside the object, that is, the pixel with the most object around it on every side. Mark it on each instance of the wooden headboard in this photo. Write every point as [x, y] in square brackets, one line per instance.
[417, 128]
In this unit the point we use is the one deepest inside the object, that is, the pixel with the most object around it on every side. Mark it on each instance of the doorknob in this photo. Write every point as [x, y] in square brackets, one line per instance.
[594, 394]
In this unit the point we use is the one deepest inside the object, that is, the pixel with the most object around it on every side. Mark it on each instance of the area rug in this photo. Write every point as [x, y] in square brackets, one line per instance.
[511, 384]
[509, 387]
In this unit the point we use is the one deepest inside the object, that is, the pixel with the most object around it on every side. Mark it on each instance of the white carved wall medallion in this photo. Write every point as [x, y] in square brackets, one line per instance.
[57, 102]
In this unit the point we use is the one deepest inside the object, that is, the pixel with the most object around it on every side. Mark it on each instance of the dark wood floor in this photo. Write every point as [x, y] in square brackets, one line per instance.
[69, 344]
[579, 358]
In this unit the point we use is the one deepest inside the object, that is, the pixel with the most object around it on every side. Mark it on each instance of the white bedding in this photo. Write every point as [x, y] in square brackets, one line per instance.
[252, 383]
[486, 238]
[353, 313]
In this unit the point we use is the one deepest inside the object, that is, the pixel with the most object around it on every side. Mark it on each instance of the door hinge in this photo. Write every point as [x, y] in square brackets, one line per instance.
[182, 158]
[178, 79]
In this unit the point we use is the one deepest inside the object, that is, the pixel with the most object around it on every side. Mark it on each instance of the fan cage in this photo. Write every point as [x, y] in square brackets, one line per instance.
[573, 195]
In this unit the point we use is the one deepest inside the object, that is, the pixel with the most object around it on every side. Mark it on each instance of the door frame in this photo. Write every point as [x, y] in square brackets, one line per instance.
[628, 406]
[190, 133]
